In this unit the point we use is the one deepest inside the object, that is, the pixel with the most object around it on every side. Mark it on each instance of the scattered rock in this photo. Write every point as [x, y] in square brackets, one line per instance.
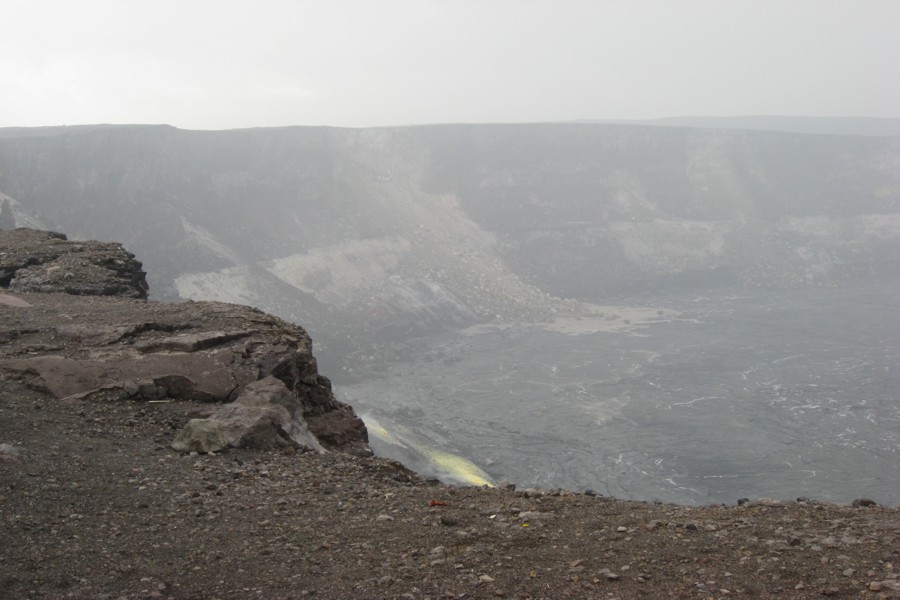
[449, 521]
[888, 585]
[533, 515]
[863, 502]
[768, 502]
[9, 453]
[609, 575]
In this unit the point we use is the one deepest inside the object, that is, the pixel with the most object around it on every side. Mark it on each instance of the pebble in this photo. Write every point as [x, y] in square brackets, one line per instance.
[609, 575]
[533, 515]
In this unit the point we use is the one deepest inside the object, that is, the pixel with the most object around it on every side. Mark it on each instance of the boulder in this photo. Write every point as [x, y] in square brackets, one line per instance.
[265, 415]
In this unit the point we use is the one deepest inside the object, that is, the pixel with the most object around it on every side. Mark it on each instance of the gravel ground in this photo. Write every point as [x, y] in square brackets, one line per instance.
[94, 504]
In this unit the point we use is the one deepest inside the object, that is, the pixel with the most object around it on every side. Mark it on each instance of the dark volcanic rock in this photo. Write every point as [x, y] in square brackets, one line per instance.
[45, 261]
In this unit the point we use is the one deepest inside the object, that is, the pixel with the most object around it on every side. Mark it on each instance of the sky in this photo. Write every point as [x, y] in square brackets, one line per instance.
[222, 64]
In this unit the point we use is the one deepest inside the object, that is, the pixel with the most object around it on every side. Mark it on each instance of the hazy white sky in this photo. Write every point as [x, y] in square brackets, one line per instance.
[215, 64]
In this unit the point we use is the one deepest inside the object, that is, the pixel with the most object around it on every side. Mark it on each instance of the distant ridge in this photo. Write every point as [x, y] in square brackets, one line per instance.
[869, 126]
[865, 126]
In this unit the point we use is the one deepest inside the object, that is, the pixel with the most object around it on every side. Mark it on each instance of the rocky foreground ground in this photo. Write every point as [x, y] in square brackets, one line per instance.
[95, 503]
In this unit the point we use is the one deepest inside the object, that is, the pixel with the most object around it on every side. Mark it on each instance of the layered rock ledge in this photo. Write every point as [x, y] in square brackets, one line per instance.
[77, 330]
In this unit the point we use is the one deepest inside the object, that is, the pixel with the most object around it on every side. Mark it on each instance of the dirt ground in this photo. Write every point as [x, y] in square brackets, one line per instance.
[94, 504]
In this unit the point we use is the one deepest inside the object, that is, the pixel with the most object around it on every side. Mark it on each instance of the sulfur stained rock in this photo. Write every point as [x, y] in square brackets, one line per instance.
[200, 435]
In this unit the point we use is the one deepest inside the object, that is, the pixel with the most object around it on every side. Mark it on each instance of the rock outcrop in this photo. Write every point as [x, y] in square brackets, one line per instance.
[45, 261]
[110, 348]
[265, 415]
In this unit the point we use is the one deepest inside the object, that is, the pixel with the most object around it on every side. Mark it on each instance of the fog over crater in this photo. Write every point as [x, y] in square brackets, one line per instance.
[676, 312]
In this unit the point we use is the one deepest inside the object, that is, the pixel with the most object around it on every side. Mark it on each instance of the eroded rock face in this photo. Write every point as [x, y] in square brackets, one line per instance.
[114, 348]
[45, 261]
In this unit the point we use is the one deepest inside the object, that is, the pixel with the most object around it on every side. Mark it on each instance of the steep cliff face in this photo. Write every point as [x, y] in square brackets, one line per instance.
[92, 339]
[386, 233]
[594, 212]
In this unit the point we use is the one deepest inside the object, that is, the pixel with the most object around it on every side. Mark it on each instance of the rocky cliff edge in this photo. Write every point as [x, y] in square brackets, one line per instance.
[78, 327]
